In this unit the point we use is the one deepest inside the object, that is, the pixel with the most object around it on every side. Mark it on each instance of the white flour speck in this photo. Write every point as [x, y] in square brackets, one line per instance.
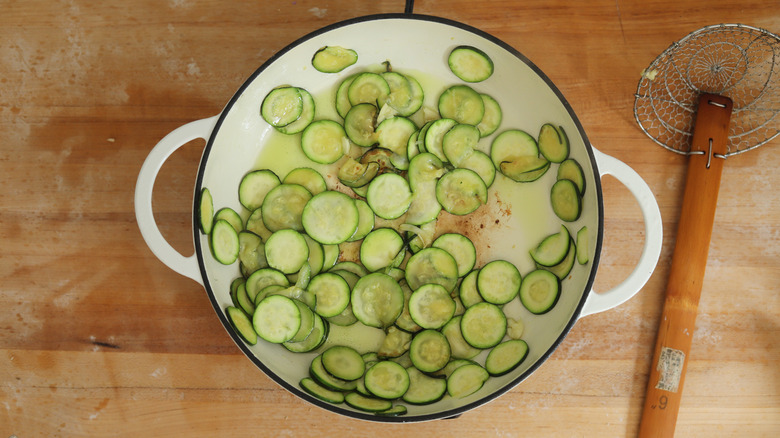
[319, 13]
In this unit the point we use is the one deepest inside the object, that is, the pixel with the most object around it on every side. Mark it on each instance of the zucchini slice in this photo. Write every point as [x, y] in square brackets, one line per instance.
[432, 265]
[467, 290]
[283, 207]
[404, 320]
[369, 88]
[483, 325]
[224, 242]
[255, 224]
[286, 251]
[307, 320]
[393, 134]
[366, 221]
[331, 292]
[343, 362]
[395, 344]
[525, 168]
[333, 59]
[511, 144]
[273, 289]
[461, 248]
[380, 248]
[367, 404]
[306, 117]
[316, 258]
[314, 340]
[458, 345]
[406, 94]
[307, 177]
[459, 143]
[461, 191]
[341, 102]
[562, 269]
[330, 217]
[527, 176]
[462, 104]
[424, 171]
[231, 217]
[400, 90]
[431, 306]
[206, 211]
[282, 106]
[320, 375]
[419, 237]
[433, 140]
[451, 366]
[277, 319]
[352, 267]
[553, 143]
[330, 256]
[570, 169]
[540, 291]
[244, 301]
[380, 156]
[492, 118]
[389, 195]
[243, 325]
[234, 289]
[254, 186]
[566, 201]
[360, 124]
[466, 380]
[263, 278]
[582, 246]
[355, 174]
[423, 389]
[315, 389]
[506, 356]
[498, 282]
[552, 248]
[395, 411]
[324, 141]
[251, 251]
[480, 163]
[470, 64]
[387, 379]
[429, 351]
[377, 300]
[345, 318]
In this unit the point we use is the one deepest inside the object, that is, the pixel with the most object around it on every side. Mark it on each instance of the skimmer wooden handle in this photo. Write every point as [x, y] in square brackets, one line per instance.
[689, 260]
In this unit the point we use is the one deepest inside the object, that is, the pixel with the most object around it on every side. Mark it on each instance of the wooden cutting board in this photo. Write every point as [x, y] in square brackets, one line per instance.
[98, 338]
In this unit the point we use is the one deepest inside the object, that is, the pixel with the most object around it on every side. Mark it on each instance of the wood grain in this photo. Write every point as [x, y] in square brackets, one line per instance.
[98, 338]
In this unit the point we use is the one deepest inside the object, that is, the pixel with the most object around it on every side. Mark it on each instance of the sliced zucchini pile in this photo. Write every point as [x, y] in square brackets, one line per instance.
[399, 164]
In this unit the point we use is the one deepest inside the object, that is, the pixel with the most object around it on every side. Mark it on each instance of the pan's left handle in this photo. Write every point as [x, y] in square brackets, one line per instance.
[599, 302]
[186, 266]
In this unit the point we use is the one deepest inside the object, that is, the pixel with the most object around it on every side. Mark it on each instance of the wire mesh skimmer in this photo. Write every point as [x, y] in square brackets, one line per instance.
[732, 60]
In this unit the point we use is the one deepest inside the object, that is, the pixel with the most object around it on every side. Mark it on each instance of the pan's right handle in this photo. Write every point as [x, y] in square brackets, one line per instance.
[186, 266]
[599, 302]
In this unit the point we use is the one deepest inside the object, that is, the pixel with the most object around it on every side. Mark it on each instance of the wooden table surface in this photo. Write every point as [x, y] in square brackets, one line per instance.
[99, 338]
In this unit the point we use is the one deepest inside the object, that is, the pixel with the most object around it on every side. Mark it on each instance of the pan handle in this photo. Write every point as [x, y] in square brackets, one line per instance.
[186, 266]
[599, 302]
